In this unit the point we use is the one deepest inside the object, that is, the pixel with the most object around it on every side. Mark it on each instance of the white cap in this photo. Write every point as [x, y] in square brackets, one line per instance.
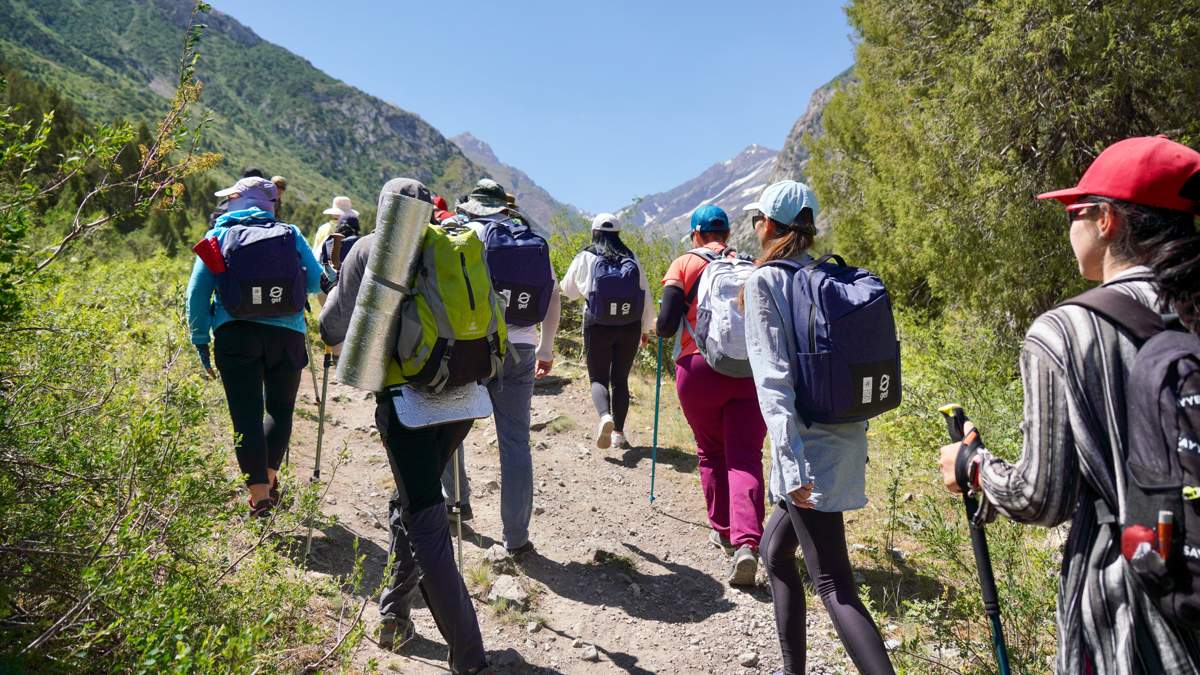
[606, 222]
[340, 207]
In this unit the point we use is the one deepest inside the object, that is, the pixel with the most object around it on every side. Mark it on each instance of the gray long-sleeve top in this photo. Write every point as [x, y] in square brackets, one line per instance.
[832, 456]
[339, 306]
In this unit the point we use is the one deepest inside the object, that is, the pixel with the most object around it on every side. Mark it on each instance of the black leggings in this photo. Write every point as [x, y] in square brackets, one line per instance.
[610, 351]
[260, 368]
[822, 537]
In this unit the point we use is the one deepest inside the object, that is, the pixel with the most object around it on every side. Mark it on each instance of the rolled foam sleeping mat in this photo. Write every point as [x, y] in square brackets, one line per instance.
[374, 325]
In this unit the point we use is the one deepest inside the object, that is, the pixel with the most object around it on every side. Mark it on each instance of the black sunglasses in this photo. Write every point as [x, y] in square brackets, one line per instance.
[757, 219]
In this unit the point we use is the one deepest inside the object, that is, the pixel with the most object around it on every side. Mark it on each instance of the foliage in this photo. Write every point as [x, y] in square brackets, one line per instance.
[120, 546]
[964, 110]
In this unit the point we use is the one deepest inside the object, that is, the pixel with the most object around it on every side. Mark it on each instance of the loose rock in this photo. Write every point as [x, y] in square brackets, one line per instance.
[509, 588]
[749, 659]
[590, 653]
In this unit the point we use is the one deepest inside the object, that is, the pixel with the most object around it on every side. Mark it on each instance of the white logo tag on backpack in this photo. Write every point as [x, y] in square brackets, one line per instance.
[256, 295]
[1190, 401]
[276, 295]
[868, 389]
[523, 300]
[885, 383]
[1188, 445]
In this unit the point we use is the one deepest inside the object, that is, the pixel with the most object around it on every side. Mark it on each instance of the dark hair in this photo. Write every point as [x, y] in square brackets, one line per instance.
[712, 235]
[608, 244]
[1166, 241]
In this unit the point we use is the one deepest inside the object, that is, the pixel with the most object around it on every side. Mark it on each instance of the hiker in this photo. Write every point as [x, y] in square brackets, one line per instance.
[258, 337]
[420, 548]
[818, 470]
[341, 206]
[721, 409]
[281, 186]
[351, 232]
[519, 262]
[441, 210]
[618, 316]
[1132, 227]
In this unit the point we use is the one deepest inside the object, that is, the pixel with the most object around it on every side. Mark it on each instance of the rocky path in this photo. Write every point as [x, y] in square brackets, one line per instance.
[615, 585]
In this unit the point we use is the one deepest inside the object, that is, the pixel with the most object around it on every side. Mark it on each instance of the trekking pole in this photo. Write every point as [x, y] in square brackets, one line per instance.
[458, 506]
[657, 396]
[316, 475]
[956, 420]
[312, 366]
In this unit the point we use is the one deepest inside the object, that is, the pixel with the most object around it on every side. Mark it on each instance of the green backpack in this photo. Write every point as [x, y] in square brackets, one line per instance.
[452, 330]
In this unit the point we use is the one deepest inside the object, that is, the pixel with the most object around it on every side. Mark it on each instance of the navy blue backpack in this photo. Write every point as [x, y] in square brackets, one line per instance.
[518, 260]
[847, 350]
[263, 276]
[616, 297]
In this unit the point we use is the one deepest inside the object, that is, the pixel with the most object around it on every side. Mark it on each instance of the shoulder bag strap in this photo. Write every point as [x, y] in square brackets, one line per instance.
[1121, 310]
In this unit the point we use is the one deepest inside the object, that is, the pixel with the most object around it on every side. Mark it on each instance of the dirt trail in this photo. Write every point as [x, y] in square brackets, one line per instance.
[659, 606]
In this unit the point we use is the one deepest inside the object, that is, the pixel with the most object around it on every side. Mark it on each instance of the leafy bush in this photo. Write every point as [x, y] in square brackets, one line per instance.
[121, 548]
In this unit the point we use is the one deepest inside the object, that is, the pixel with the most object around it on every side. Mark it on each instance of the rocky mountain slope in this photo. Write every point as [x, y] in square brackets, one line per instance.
[730, 184]
[534, 201]
[270, 107]
[792, 160]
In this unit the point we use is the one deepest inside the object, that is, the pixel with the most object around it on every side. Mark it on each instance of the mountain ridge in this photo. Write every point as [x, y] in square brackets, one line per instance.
[533, 200]
[271, 108]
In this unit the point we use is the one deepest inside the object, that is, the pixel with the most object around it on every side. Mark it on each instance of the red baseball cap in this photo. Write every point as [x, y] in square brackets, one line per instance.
[1146, 170]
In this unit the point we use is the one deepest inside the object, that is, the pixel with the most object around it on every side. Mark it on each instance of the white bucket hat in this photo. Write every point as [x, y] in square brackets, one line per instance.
[341, 207]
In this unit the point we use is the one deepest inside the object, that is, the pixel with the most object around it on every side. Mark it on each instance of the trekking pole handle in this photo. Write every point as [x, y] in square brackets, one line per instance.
[956, 421]
[335, 256]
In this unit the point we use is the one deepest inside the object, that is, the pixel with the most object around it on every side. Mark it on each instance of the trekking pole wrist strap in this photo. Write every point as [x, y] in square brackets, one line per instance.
[966, 466]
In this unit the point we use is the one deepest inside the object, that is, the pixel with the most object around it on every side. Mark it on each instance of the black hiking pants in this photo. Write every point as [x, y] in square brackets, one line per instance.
[821, 537]
[421, 550]
[610, 351]
[260, 368]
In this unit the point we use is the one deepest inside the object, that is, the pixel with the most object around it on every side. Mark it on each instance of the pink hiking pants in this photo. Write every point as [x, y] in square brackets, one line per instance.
[724, 416]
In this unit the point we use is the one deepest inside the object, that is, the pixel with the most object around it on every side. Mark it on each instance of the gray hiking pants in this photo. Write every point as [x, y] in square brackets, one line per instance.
[512, 395]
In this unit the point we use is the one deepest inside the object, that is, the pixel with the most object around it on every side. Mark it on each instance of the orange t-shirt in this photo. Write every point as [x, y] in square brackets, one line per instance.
[685, 270]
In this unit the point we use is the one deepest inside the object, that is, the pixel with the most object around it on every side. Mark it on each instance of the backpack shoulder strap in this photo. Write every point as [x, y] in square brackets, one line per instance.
[1121, 310]
[707, 255]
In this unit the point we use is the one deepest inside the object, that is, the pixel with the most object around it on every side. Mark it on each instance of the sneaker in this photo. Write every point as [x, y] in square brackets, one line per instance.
[521, 550]
[720, 542]
[260, 509]
[465, 511]
[619, 440]
[745, 566]
[395, 632]
[604, 432]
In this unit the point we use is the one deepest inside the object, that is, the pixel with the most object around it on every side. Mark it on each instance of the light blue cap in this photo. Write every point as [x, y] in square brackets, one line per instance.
[783, 201]
[710, 218]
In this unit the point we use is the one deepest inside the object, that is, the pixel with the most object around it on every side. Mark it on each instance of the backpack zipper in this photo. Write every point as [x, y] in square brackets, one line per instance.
[462, 257]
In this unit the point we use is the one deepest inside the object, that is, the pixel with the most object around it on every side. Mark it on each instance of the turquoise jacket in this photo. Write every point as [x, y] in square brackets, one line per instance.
[205, 313]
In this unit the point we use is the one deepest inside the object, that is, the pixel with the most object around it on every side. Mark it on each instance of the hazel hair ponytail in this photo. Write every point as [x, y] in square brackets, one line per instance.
[795, 238]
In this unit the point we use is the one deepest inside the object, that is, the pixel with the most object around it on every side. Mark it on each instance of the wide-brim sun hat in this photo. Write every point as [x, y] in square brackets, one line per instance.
[605, 222]
[487, 199]
[341, 205]
[782, 202]
[1145, 170]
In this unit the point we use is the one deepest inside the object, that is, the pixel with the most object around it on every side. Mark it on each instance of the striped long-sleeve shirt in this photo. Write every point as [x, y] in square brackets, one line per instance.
[1074, 366]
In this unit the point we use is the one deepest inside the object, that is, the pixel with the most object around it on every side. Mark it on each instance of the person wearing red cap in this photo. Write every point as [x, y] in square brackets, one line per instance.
[441, 210]
[1132, 223]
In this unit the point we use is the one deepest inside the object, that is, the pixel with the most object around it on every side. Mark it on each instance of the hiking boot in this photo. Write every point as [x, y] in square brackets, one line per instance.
[745, 566]
[518, 552]
[720, 542]
[395, 632]
[465, 512]
[604, 432]
[619, 440]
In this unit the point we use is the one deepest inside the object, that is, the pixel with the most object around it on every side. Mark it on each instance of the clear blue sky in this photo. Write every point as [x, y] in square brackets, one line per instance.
[597, 101]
